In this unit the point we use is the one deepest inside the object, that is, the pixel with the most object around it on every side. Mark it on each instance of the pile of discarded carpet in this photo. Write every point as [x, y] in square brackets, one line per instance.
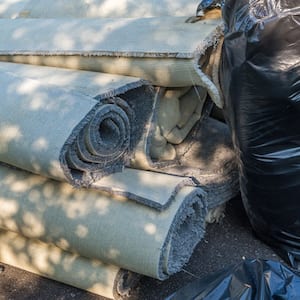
[111, 164]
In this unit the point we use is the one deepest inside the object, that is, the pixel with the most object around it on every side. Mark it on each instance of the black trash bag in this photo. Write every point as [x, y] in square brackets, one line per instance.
[250, 279]
[260, 78]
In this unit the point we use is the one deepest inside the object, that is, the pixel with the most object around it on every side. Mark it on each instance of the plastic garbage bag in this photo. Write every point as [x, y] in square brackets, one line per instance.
[260, 78]
[251, 279]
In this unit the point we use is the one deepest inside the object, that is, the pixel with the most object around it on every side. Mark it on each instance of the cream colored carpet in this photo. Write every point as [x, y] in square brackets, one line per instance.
[166, 51]
[96, 8]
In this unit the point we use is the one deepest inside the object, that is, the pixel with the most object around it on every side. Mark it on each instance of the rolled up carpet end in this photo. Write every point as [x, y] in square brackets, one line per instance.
[100, 144]
[186, 231]
[72, 125]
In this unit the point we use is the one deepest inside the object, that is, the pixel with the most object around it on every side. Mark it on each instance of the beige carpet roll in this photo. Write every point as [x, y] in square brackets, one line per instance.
[71, 125]
[51, 262]
[117, 231]
[166, 51]
[96, 8]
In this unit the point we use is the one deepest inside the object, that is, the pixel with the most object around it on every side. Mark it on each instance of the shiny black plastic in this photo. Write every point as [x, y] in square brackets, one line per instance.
[251, 279]
[260, 78]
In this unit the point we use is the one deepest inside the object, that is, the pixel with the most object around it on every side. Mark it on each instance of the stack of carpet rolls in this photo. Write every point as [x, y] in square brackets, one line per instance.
[111, 166]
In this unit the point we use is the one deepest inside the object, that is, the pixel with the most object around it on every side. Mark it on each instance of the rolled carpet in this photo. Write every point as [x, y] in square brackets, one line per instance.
[96, 8]
[117, 231]
[166, 51]
[72, 125]
[50, 261]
